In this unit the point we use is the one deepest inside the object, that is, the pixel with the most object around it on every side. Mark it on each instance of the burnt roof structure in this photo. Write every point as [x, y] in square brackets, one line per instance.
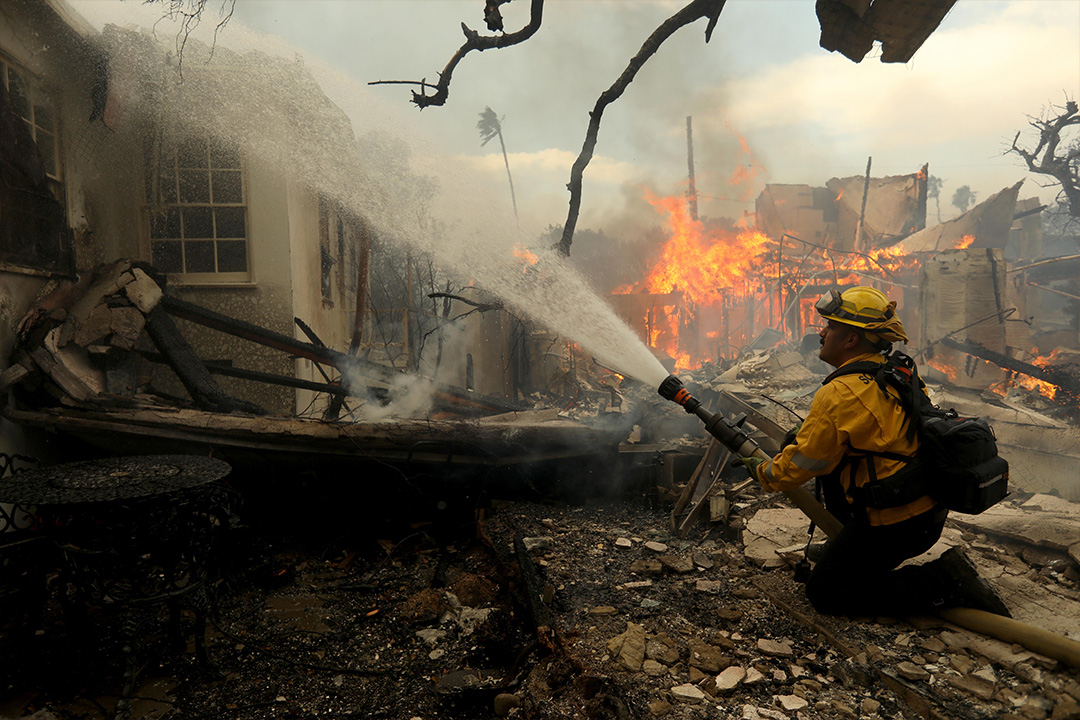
[851, 27]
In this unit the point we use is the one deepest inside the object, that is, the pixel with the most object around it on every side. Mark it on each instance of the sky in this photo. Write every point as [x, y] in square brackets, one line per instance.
[767, 102]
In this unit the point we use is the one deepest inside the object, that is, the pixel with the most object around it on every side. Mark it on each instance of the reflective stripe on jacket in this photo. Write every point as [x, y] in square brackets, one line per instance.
[849, 412]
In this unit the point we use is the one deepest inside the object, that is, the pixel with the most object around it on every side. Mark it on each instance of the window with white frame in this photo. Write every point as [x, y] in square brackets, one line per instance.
[198, 223]
[33, 221]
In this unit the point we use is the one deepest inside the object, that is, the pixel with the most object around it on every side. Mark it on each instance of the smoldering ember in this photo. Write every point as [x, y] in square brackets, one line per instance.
[292, 429]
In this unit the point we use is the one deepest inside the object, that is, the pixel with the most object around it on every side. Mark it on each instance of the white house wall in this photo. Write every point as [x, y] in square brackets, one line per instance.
[34, 39]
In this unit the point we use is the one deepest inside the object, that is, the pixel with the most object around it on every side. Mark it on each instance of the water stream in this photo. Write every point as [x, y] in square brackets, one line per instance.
[271, 108]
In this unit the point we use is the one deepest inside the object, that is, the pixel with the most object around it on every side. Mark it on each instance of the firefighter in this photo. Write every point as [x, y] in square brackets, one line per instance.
[851, 417]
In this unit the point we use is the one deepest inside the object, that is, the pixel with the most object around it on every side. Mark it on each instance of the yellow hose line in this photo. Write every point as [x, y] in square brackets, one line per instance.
[1008, 630]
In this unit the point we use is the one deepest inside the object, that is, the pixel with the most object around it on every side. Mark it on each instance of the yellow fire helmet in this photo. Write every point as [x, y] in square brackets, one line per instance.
[866, 308]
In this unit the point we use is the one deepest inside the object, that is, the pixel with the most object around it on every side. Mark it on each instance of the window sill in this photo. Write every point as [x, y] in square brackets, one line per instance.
[207, 285]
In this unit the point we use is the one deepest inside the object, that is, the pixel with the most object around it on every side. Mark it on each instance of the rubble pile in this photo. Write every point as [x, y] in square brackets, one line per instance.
[432, 618]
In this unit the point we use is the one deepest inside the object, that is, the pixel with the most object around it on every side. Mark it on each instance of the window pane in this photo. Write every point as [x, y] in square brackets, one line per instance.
[224, 156]
[47, 148]
[198, 223]
[165, 225]
[227, 187]
[192, 154]
[20, 94]
[194, 186]
[199, 256]
[43, 116]
[230, 222]
[232, 256]
[167, 257]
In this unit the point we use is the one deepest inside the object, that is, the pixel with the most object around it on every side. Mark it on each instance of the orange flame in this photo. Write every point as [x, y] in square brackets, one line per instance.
[965, 242]
[948, 370]
[523, 253]
[702, 267]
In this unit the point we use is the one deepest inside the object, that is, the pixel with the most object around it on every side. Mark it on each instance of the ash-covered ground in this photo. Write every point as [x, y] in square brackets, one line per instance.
[422, 611]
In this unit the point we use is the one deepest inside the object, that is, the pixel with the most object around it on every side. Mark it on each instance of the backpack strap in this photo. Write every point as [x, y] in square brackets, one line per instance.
[869, 367]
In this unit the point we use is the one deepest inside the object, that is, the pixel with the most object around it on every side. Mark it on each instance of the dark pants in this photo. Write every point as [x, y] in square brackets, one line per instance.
[857, 573]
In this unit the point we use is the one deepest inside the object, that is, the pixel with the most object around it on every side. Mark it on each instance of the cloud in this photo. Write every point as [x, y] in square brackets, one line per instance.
[545, 164]
[956, 104]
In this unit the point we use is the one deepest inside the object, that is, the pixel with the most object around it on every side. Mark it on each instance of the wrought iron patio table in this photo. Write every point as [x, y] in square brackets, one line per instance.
[137, 535]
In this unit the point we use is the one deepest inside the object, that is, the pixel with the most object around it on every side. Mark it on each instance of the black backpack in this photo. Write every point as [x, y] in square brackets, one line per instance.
[957, 463]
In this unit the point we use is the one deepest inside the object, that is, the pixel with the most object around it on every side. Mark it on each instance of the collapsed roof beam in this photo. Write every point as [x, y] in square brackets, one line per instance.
[458, 397]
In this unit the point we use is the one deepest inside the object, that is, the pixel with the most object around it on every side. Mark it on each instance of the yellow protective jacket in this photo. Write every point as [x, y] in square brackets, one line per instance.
[849, 412]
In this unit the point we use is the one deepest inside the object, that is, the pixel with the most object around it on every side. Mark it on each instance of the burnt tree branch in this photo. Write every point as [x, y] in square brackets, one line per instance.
[1044, 157]
[473, 41]
[694, 11]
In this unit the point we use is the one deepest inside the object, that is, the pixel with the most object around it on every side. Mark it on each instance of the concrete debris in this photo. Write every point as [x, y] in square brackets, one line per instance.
[629, 647]
[537, 543]
[730, 677]
[774, 648]
[791, 703]
[676, 564]
[687, 693]
[647, 567]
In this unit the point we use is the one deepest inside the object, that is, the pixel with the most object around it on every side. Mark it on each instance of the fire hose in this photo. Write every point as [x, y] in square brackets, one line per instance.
[736, 439]
[733, 436]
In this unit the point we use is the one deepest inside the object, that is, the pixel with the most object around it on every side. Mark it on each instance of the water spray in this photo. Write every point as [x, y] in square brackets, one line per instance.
[734, 437]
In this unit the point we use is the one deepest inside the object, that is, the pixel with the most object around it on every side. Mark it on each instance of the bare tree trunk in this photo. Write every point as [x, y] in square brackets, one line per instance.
[506, 161]
[695, 10]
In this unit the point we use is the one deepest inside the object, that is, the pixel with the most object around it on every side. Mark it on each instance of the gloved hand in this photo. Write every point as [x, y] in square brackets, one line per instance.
[789, 438]
[750, 463]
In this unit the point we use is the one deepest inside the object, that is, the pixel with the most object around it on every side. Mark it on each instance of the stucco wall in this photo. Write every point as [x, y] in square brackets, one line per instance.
[33, 39]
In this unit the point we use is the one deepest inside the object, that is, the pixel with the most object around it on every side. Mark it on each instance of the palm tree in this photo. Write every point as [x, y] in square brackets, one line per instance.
[490, 126]
[963, 198]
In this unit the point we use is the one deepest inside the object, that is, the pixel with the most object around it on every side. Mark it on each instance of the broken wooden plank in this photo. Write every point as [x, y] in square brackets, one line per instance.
[271, 440]
[12, 376]
[1049, 375]
[68, 381]
[533, 591]
[143, 292]
[695, 497]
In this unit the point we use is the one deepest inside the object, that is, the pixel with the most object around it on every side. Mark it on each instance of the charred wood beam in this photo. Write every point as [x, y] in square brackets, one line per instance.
[270, 378]
[336, 399]
[458, 397]
[694, 11]
[187, 365]
[530, 578]
[1071, 296]
[306, 329]
[1048, 375]
[1021, 268]
[1032, 211]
